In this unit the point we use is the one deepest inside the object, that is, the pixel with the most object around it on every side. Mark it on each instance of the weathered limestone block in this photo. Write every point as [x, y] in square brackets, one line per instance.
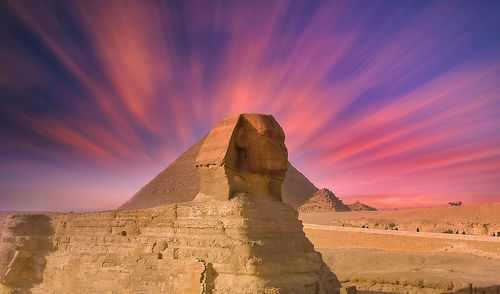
[236, 237]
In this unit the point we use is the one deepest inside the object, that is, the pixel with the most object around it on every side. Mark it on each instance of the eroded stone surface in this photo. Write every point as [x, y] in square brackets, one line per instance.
[237, 236]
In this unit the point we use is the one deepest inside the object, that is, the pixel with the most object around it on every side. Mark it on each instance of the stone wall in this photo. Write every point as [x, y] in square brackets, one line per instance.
[235, 246]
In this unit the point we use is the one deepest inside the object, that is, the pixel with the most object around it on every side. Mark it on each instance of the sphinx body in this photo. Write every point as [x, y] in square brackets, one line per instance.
[237, 236]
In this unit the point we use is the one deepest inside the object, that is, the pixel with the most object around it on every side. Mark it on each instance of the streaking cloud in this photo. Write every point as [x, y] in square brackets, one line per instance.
[393, 103]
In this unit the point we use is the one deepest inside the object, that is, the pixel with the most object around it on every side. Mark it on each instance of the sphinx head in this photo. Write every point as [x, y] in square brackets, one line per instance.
[243, 154]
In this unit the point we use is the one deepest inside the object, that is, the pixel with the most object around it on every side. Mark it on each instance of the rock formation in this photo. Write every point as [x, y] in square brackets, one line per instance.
[237, 236]
[358, 206]
[324, 201]
[179, 182]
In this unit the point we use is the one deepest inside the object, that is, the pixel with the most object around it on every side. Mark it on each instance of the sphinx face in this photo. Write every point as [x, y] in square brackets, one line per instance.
[261, 145]
[243, 155]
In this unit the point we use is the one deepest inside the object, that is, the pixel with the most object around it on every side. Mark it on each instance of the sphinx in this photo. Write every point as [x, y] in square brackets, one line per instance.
[244, 153]
[236, 236]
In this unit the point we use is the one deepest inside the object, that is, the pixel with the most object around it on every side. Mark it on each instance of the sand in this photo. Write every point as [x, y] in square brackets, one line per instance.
[388, 261]
[475, 220]
[473, 213]
[398, 272]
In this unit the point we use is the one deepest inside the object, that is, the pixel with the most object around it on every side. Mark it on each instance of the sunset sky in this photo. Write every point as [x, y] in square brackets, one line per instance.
[393, 103]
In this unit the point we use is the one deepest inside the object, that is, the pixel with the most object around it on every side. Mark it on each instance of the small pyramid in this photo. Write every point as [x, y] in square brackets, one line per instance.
[358, 206]
[179, 182]
[324, 201]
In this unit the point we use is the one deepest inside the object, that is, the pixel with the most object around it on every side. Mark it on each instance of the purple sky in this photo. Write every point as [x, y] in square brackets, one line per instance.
[394, 103]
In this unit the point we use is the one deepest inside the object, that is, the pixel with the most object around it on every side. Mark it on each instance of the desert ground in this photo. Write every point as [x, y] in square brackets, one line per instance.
[377, 260]
[475, 220]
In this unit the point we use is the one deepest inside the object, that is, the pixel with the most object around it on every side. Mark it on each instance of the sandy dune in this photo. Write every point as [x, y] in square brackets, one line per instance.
[475, 220]
[380, 261]
[422, 235]
[474, 213]
[398, 272]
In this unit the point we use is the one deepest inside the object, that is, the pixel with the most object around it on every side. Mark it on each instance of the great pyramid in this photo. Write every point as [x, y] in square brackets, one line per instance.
[179, 182]
[324, 201]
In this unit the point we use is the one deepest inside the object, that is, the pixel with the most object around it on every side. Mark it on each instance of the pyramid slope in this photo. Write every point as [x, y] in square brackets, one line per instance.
[296, 188]
[179, 182]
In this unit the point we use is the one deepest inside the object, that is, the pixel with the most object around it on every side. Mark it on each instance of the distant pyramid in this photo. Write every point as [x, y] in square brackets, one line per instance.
[358, 206]
[324, 201]
[179, 182]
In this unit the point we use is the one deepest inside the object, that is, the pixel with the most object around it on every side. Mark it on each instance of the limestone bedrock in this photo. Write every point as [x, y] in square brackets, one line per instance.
[237, 236]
